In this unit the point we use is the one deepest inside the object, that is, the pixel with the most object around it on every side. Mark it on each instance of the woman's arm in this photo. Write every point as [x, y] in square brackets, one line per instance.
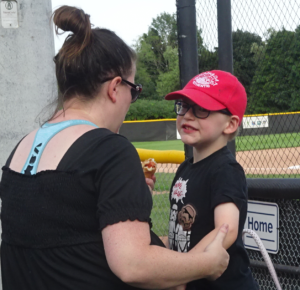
[131, 257]
[224, 213]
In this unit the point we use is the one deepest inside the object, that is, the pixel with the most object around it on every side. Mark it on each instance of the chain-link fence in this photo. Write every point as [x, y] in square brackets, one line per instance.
[287, 260]
[285, 193]
[266, 59]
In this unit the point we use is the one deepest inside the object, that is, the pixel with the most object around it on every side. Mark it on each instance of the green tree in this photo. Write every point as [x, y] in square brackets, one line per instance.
[158, 63]
[275, 86]
[169, 81]
[157, 53]
[208, 60]
[244, 65]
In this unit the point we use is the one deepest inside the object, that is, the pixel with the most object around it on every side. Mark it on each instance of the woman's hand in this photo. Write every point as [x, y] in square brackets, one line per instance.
[217, 257]
[131, 257]
[151, 182]
[218, 254]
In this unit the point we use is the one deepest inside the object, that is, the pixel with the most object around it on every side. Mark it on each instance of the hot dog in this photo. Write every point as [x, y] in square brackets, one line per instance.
[149, 167]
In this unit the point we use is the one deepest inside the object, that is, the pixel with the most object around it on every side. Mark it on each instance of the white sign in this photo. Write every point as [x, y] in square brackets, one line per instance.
[9, 14]
[255, 122]
[263, 219]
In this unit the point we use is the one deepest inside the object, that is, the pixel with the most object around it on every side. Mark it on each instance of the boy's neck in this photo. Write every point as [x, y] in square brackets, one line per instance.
[202, 152]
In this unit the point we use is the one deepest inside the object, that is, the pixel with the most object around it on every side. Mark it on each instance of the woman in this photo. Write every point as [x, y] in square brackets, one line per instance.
[75, 204]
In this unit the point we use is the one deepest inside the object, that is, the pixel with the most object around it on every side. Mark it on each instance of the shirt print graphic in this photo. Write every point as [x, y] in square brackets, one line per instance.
[181, 221]
[179, 190]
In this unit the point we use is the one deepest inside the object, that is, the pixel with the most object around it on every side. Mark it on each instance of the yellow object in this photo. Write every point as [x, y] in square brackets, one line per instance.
[161, 156]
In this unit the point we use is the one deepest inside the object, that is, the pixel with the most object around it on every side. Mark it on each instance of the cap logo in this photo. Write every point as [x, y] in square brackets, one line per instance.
[205, 80]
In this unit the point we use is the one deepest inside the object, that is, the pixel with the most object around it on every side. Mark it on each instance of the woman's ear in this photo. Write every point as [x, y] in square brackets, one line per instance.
[233, 125]
[113, 88]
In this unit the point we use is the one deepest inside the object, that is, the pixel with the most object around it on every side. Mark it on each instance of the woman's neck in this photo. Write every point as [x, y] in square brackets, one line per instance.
[80, 110]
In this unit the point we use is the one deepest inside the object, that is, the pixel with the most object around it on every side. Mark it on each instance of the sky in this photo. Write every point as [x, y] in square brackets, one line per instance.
[255, 16]
[127, 18]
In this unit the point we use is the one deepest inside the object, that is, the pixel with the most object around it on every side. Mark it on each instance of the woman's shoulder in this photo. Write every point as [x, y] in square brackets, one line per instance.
[95, 148]
[103, 136]
[21, 146]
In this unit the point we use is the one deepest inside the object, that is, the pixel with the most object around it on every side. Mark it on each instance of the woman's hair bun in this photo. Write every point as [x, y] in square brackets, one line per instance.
[68, 18]
[72, 19]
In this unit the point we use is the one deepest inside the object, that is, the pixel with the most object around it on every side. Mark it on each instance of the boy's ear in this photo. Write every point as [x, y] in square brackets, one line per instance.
[113, 88]
[232, 125]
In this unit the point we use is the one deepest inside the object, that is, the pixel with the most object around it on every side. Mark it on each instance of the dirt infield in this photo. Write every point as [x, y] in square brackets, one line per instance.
[270, 161]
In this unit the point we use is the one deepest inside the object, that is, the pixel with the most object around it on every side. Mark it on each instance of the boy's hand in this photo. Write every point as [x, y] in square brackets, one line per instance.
[151, 182]
[218, 255]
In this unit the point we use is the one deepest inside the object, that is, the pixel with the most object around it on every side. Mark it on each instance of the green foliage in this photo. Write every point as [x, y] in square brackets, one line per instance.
[169, 81]
[157, 51]
[244, 65]
[160, 145]
[269, 70]
[161, 211]
[275, 86]
[150, 109]
[158, 61]
[247, 51]
[208, 60]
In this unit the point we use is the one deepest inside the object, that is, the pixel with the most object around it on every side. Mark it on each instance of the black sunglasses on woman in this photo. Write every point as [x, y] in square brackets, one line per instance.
[135, 89]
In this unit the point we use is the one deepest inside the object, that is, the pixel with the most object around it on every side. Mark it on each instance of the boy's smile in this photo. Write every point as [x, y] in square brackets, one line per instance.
[188, 128]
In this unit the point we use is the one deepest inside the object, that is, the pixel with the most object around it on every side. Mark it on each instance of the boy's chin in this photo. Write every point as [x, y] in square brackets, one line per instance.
[188, 141]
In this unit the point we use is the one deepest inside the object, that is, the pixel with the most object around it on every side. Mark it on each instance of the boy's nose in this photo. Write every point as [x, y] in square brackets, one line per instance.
[189, 114]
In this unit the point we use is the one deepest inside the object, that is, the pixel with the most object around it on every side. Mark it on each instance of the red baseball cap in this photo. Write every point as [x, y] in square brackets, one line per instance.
[215, 90]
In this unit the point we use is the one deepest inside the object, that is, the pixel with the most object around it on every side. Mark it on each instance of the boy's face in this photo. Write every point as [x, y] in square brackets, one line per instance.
[202, 132]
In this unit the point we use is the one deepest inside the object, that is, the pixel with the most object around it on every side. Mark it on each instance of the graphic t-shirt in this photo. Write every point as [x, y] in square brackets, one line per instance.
[195, 192]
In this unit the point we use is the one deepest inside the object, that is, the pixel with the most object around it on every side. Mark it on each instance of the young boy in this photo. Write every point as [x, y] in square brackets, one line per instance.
[210, 189]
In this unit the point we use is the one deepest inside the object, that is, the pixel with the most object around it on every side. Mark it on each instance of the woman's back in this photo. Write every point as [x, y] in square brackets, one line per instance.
[54, 150]
[50, 220]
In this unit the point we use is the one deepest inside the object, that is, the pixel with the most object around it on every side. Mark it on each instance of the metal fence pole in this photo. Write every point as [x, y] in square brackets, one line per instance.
[225, 52]
[187, 46]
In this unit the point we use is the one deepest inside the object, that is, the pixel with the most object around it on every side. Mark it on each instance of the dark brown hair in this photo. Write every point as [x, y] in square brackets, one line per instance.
[88, 56]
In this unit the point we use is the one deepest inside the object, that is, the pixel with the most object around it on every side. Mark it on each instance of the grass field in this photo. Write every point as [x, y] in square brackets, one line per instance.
[243, 143]
[163, 181]
[160, 214]
[160, 145]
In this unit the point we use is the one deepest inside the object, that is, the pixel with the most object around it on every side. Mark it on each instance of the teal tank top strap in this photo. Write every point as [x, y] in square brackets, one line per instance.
[42, 137]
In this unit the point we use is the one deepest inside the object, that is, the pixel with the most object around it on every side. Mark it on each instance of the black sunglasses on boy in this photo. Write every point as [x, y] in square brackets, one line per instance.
[181, 108]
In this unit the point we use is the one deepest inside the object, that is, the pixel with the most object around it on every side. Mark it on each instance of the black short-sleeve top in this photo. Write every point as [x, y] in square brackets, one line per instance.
[197, 189]
[52, 221]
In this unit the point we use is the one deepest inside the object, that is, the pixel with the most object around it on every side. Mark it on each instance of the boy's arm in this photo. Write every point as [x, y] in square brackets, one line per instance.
[224, 213]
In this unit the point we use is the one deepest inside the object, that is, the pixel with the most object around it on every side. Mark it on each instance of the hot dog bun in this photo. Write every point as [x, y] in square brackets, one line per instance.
[149, 167]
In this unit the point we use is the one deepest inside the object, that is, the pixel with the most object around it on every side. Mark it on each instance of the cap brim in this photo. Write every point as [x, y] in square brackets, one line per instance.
[203, 100]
